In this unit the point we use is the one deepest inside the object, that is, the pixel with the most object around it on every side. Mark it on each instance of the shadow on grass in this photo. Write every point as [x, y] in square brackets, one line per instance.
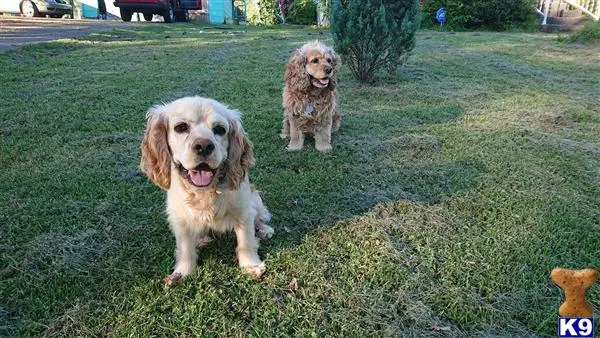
[95, 228]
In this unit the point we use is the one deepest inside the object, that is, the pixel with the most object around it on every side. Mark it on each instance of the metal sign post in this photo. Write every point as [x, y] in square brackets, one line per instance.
[440, 15]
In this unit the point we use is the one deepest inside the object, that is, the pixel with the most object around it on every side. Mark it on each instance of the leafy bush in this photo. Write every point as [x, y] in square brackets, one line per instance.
[489, 14]
[269, 12]
[252, 13]
[371, 34]
[407, 16]
[590, 33]
[263, 12]
[302, 12]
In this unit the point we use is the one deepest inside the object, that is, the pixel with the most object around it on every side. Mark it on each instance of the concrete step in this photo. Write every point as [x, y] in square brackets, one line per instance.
[561, 27]
[565, 21]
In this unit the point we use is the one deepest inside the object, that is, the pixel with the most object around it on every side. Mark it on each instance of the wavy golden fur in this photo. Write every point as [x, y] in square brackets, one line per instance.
[241, 155]
[310, 96]
[196, 149]
[156, 158]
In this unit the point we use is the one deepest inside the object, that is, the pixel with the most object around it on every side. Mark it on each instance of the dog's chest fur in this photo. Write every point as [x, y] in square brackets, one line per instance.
[202, 203]
[202, 210]
[315, 108]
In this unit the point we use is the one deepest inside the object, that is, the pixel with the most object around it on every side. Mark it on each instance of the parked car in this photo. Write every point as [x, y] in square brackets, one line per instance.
[31, 8]
[171, 10]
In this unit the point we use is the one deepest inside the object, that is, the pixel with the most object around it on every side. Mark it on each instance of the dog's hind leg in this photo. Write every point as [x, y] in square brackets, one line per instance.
[337, 120]
[285, 130]
[263, 216]
[263, 231]
[203, 239]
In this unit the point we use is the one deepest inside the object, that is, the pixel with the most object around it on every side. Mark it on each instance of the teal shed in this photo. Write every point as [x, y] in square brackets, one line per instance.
[220, 11]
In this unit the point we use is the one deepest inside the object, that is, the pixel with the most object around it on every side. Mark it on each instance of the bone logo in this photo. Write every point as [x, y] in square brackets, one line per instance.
[576, 314]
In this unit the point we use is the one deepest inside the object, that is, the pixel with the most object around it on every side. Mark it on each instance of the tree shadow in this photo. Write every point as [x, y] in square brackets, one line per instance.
[387, 163]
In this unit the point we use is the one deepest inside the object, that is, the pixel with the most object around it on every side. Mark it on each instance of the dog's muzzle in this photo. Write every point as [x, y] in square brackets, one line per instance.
[201, 176]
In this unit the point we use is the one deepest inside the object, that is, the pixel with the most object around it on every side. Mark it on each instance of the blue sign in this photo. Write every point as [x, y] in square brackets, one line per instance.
[440, 15]
[575, 327]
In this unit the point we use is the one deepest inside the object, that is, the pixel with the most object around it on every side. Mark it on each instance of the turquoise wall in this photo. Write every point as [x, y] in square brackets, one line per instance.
[216, 11]
[88, 11]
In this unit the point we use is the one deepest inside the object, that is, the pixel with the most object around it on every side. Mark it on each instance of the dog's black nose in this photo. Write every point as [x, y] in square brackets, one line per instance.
[203, 147]
[328, 70]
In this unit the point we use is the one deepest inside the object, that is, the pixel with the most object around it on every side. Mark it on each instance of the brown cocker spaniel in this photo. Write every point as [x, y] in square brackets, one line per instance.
[310, 96]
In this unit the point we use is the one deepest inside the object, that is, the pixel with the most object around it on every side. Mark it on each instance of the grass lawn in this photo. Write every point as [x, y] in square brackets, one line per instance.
[453, 190]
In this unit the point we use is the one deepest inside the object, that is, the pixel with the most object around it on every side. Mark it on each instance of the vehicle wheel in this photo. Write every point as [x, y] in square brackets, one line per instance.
[181, 16]
[126, 14]
[29, 10]
[169, 14]
[148, 16]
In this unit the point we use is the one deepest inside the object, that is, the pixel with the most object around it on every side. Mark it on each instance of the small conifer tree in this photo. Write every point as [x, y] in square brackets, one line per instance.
[371, 34]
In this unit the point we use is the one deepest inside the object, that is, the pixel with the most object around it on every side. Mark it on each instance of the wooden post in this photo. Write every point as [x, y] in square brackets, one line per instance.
[546, 9]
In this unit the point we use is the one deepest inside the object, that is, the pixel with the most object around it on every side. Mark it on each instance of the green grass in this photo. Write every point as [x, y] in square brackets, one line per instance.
[453, 190]
[588, 34]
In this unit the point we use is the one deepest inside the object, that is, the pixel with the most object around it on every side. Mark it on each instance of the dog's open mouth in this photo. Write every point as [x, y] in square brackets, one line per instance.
[201, 176]
[323, 82]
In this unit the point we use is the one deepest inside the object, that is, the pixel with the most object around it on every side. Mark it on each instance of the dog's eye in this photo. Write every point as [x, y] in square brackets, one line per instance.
[181, 128]
[315, 61]
[219, 130]
[329, 60]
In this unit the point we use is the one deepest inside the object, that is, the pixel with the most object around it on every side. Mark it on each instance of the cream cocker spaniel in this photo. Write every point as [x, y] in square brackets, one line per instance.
[310, 96]
[196, 149]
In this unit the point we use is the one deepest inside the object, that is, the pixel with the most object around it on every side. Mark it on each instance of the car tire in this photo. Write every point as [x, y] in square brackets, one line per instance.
[148, 16]
[126, 14]
[181, 16]
[169, 14]
[29, 9]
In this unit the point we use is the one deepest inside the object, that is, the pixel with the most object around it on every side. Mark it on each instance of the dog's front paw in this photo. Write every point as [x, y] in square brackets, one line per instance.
[264, 231]
[256, 270]
[172, 279]
[323, 147]
[293, 147]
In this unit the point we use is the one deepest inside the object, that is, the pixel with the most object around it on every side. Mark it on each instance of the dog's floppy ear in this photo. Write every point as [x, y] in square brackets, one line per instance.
[240, 156]
[156, 156]
[336, 60]
[336, 63]
[296, 75]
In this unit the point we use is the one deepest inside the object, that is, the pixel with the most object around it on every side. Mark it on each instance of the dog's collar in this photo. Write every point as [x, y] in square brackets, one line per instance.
[220, 186]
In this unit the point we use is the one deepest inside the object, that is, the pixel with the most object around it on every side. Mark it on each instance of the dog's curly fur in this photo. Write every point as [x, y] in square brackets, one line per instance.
[207, 190]
[310, 96]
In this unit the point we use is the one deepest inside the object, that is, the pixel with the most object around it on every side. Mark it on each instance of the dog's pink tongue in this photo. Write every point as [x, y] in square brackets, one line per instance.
[324, 81]
[201, 177]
